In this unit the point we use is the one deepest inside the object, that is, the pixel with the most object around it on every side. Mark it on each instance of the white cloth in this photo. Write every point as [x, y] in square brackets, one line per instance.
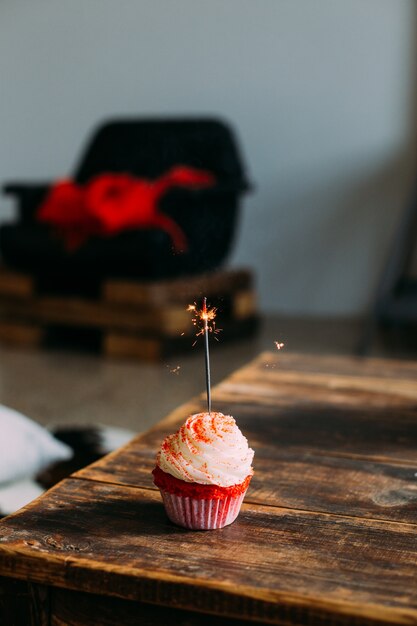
[26, 448]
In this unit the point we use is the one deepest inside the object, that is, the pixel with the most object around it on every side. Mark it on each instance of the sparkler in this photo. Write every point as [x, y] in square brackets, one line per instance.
[207, 354]
[204, 320]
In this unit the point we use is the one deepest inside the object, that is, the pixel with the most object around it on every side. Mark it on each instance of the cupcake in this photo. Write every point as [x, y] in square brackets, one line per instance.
[203, 471]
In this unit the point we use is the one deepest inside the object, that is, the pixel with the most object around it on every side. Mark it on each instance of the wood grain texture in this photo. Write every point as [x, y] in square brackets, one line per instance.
[71, 608]
[133, 319]
[117, 540]
[160, 345]
[97, 314]
[14, 602]
[331, 365]
[119, 312]
[16, 284]
[327, 534]
[312, 453]
[20, 334]
[23, 603]
[305, 481]
[388, 435]
[178, 291]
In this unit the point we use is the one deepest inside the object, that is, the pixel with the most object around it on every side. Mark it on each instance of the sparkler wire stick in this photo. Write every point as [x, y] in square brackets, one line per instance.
[207, 354]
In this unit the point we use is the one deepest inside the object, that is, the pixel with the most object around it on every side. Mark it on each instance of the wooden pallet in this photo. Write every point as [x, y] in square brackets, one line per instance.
[128, 317]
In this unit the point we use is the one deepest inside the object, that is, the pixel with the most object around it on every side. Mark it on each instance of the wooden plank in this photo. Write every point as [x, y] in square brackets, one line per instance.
[20, 334]
[87, 609]
[265, 385]
[90, 313]
[23, 603]
[148, 294]
[280, 411]
[330, 512]
[39, 604]
[372, 434]
[137, 327]
[14, 602]
[291, 379]
[316, 449]
[177, 291]
[169, 322]
[130, 346]
[294, 474]
[346, 365]
[152, 348]
[303, 481]
[271, 563]
[16, 284]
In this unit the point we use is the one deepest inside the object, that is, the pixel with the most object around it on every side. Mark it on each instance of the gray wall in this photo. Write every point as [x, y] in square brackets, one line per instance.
[321, 93]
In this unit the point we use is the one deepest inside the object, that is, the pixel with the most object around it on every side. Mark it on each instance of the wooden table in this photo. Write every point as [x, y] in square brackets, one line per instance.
[327, 533]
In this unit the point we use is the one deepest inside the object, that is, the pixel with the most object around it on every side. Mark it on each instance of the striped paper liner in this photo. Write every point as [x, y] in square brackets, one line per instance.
[199, 514]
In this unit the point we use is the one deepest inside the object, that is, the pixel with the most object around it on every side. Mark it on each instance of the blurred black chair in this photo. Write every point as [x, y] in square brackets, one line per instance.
[144, 148]
[395, 303]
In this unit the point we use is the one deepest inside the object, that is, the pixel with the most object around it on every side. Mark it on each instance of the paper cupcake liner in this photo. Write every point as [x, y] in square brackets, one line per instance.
[199, 514]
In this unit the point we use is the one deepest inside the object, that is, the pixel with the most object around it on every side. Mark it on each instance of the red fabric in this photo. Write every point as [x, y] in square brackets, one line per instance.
[111, 203]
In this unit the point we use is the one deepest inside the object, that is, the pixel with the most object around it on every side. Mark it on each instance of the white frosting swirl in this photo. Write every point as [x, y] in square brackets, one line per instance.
[208, 449]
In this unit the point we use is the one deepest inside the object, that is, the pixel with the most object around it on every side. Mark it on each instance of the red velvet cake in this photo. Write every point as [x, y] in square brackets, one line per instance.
[203, 471]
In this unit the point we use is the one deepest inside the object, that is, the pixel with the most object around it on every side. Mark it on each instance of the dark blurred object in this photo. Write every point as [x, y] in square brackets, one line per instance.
[395, 304]
[143, 148]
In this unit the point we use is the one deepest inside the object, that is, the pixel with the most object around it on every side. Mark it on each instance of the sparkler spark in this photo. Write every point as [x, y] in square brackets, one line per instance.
[204, 320]
[174, 370]
[278, 346]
